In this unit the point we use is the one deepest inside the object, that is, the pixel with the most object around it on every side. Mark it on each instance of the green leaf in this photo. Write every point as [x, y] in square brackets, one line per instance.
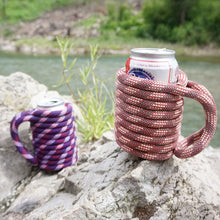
[63, 60]
[60, 83]
[72, 64]
[66, 44]
[70, 77]
[59, 42]
[69, 47]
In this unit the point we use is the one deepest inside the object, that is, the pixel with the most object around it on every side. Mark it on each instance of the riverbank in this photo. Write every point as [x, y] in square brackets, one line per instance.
[117, 46]
[82, 24]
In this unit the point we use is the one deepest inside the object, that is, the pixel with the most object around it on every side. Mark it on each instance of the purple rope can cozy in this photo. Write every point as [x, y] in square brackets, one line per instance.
[53, 134]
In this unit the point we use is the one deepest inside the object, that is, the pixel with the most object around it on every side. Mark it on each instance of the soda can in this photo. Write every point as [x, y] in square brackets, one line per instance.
[52, 104]
[153, 64]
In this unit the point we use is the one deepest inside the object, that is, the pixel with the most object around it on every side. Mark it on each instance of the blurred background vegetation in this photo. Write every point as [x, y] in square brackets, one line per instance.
[14, 11]
[188, 22]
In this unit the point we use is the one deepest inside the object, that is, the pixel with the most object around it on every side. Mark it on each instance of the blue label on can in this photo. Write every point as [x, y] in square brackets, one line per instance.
[141, 73]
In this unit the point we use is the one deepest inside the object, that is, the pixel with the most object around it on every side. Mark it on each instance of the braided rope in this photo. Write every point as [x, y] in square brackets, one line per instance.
[53, 134]
[148, 117]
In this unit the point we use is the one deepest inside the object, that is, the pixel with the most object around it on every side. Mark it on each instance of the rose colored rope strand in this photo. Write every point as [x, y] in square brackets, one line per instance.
[148, 117]
[53, 134]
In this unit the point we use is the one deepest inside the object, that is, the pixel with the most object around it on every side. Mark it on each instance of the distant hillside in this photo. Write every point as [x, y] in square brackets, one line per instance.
[14, 11]
[38, 18]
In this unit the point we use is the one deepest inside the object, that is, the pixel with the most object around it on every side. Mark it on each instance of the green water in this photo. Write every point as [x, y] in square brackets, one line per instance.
[47, 70]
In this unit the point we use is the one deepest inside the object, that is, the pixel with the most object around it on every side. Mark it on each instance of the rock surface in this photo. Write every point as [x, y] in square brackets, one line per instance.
[107, 183]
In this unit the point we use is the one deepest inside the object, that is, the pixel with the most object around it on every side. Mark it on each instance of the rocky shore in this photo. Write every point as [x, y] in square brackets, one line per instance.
[11, 46]
[107, 183]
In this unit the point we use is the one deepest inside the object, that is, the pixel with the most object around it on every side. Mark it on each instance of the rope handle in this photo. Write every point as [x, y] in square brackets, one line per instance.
[196, 142]
[15, 123]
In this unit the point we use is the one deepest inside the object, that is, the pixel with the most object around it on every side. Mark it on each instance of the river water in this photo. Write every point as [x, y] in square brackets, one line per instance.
[47, 70]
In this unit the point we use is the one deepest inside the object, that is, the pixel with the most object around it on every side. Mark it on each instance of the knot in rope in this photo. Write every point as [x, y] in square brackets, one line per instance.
[53, 137]
[148, 117]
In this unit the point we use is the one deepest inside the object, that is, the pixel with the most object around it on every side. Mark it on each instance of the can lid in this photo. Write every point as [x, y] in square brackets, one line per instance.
[152, 52]
[50, 103]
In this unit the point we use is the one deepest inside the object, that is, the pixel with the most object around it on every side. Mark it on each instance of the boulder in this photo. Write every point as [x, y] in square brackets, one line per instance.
[108, 183]
[112, 184]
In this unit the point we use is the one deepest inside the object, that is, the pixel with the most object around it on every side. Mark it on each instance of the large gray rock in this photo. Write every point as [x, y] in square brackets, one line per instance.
[108, 183]
[111, 184]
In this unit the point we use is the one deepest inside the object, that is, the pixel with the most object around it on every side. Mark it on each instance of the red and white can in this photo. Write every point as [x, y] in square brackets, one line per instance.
[153, 64]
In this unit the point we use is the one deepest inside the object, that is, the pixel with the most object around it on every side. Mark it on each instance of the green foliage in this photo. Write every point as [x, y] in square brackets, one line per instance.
[88, 22]
[121, 20]
[96, 119]
[91, 99]
[25, 10]
[189, 22]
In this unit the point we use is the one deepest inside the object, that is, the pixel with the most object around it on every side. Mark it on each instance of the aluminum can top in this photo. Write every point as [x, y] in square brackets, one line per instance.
[152, 52]
[54, 104]
[153, 63]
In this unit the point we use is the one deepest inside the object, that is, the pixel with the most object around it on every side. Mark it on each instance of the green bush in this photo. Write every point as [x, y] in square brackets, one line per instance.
[122, 21]
[188, 22]
[213, 22]
[162, 31]
[141, 31]
[190, 34]
[179, 34]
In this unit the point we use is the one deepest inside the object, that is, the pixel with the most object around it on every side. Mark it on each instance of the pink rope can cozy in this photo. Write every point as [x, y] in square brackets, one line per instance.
[148, 116]
[53, 134]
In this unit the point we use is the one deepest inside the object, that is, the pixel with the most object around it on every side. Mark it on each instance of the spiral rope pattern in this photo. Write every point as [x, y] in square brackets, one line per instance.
[53, 134]
[148, 117]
